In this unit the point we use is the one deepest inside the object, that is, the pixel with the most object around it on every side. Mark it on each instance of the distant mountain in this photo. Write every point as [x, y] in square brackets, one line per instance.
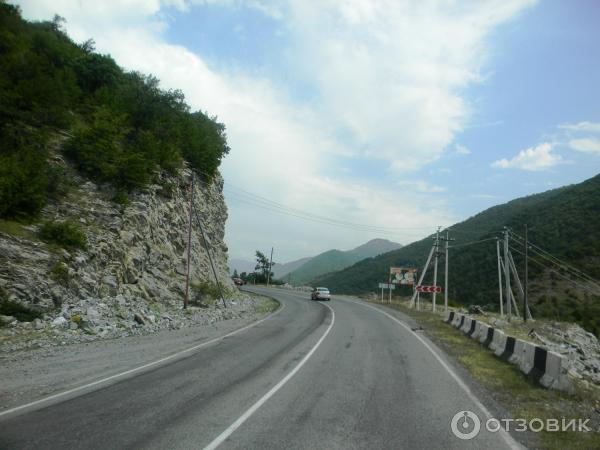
[241, 265]
[334, 260]
[564, 222]
[281, 270]
[375, 247]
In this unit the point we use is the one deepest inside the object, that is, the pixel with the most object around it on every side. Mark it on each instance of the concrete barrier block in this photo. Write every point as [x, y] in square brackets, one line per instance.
[472, 328]
[477, 331]
[555, 375]
[466, 325]
[455, 319]
[460, 320]
[517, 353]
[448, 316]
[499, 343]
[483, 332]
[527, 357]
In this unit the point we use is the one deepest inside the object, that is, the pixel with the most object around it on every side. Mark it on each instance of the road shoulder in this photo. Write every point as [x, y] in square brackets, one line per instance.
[34, 374]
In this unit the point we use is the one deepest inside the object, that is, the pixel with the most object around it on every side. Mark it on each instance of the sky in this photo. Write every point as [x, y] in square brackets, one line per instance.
[373, 119]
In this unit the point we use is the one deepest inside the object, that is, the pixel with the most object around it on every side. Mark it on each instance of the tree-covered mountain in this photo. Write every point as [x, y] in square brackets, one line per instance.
[333, 260]
[564, 222]
[283, 269]
[120, 128]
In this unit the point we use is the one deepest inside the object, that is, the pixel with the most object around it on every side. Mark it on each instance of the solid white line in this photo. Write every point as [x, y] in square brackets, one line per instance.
[136, 369]
[510, 441]
[235, 425]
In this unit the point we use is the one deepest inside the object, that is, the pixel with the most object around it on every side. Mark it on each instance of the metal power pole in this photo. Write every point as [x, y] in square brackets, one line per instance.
[189, 252]
[507, 274]
[525, 302]
[270, 264]
[500, 277]
[435, 264]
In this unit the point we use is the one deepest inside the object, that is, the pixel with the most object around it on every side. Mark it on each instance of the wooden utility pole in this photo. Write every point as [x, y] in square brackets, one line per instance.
[270, 264]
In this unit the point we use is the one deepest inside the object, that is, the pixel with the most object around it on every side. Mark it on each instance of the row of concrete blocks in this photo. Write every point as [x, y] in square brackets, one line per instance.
[546, 367]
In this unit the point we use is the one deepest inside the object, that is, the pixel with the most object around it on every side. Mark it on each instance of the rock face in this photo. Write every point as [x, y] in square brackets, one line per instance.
[136, 253]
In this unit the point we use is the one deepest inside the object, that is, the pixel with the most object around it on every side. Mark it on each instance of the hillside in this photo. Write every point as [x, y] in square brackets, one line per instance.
[118, 128]
[95, 170]
[282, 269]
[333, 260]
[562, 221]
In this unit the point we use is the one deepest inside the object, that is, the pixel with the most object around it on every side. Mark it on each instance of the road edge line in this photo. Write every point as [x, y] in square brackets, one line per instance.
[141, 368]
[508, 439]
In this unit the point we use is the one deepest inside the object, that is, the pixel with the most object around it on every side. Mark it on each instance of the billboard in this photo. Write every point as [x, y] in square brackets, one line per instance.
[402, 275]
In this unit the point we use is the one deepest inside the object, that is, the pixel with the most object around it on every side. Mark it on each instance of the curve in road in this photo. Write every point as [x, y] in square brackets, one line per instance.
[308, 377]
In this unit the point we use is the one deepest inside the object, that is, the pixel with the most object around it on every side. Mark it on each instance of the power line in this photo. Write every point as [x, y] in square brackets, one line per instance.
[554, 260]
[243, 196]
[578, 284]
[472, 243]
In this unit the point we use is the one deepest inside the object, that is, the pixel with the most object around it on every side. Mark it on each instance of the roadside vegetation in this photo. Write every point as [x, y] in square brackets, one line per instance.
[66, 234]
[15, 309]
[117, 127]
[521, 397]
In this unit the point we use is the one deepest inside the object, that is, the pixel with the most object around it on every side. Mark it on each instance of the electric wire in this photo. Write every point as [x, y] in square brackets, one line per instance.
[472, 243]
[554, 260]
[551, 269]
[242, 196]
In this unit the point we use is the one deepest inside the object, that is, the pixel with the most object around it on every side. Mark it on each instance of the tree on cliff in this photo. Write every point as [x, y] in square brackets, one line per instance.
[117, 127]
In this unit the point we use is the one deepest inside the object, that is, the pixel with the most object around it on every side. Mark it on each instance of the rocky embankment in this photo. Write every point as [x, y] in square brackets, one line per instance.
[131, 277]
[581, 347]
[92, 319]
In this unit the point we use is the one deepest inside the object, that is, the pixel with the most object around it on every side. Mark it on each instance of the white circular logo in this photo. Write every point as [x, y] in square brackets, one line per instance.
[462, 427]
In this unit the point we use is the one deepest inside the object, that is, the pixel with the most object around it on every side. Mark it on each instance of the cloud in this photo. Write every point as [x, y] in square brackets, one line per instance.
[585, 145]
[461, 150]
[385, 82]
[390, 73]
[531, 159]
[593, 127]
[422, 186]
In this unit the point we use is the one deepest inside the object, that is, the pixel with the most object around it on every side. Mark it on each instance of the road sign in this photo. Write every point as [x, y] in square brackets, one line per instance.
[387, 286]
[429, 289]
[403, 275]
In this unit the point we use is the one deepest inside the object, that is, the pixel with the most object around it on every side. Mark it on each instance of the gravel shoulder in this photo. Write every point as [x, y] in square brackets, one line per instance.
[34, 373]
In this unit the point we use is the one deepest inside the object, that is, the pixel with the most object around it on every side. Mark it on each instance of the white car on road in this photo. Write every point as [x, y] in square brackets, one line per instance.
[320, 293]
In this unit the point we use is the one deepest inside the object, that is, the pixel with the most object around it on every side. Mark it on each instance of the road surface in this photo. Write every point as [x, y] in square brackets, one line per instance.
[331, 375]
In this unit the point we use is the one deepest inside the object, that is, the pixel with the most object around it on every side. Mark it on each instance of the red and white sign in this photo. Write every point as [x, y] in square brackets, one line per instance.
[429, 289]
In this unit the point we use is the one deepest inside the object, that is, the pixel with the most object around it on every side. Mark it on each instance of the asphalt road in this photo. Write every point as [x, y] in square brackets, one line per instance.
[314, 375]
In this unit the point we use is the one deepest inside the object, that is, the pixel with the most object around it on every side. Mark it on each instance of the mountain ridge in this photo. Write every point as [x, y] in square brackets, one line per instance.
[332, 260]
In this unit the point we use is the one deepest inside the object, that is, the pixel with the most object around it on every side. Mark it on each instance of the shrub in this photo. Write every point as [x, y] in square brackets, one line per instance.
[60, 273]
[204, 290]
[18, 311]
[66, 234]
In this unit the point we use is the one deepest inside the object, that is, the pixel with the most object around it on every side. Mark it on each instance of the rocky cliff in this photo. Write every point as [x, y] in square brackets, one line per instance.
[135, 261]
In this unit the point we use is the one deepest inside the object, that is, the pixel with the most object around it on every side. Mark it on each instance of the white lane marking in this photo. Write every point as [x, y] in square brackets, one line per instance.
[510, 441]
[235, 425]
[137, 369]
